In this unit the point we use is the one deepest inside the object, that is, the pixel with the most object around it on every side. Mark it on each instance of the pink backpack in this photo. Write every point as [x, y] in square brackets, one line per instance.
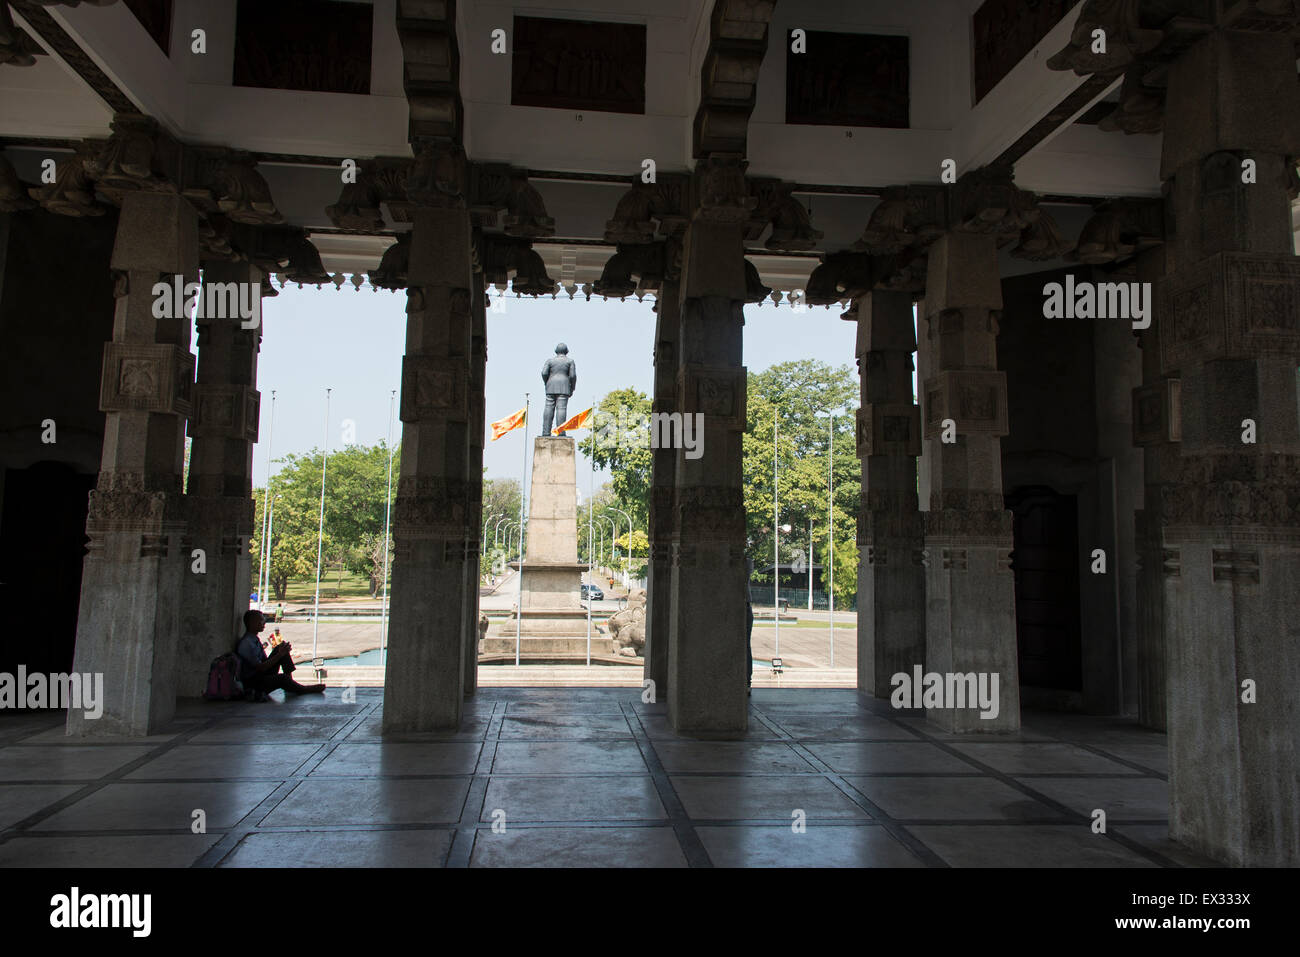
[223, 679]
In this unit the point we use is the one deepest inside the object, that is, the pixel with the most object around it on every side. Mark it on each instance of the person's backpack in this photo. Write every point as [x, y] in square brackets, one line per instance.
[223, 679]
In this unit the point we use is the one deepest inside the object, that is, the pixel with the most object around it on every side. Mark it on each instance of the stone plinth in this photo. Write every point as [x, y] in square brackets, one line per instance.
[551, 574]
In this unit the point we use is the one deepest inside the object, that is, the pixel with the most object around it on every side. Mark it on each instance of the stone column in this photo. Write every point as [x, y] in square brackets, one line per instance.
[474, 476]
[1230, 518]
[707, 666]
[970, 618]
[219, 493]
[891, 580]
[663, 476]
[1157, 431]
[129, 617]
[425, 680]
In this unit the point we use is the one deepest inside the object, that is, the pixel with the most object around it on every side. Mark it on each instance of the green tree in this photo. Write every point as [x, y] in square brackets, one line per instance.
[792, 394]
[356, 481]
[620, 443]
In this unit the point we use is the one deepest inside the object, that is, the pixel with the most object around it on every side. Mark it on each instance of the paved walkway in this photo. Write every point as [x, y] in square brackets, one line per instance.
[587, 777]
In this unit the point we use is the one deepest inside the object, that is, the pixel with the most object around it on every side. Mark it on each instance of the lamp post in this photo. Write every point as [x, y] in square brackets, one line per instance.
[497, 528]
[830, 520]
[388, 514]
[613, 533]
[483, 538]
[266, 514]
[320, 534]
[626, 571]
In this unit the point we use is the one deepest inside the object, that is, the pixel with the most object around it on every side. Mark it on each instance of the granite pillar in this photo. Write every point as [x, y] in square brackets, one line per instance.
[969, 587]
[663, 474]
[129, 616]
[891, 580]
[707, 663]
[474, 477]
[1229, 518]
[425, 680]
[219, 493]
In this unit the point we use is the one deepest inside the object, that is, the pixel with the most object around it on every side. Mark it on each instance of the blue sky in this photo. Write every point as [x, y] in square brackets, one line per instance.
[352, 342]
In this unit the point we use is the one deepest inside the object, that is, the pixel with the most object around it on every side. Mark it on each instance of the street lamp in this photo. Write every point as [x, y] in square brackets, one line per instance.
[613, 533]
[626, 571]
[483, 538]
[497, 528]
[830, 519]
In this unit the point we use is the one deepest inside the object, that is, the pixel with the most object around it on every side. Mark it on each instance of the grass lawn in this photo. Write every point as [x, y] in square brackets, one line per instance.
[355, 587]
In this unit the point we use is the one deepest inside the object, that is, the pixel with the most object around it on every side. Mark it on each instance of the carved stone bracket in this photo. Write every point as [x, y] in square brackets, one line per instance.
[906, 216]
[393, 266]
[381, 180]
[648, 210]
[288, 251]
[721, 190]
[841, 276]
[1120, 229]
[227, 182]
[775, 205]
[1041, 240]
[645, 262]
[14, 193]
[439, 177]
[1125, 39]
[987, 200]
[73, 191]
[503, 256]
[495, 187]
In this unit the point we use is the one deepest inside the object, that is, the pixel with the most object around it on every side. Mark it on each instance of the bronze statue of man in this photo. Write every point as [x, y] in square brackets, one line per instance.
[561, 378]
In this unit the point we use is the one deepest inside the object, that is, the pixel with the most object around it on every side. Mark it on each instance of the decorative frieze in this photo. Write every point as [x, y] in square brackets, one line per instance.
[146, 377]
[434, 387]
[718, 392]
[975, 401]
[709, 513]
[432, 507]
[888, 429]
[1231, 305]
[225, 412]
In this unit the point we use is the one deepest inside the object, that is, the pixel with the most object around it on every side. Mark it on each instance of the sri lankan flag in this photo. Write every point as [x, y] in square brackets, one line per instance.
[580, 421]
[511, 422]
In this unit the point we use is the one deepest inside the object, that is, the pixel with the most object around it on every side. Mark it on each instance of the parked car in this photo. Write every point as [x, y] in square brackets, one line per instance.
[592, 591]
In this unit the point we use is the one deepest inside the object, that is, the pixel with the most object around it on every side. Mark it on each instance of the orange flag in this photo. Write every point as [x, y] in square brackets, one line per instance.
[579, 421]
[508, 424]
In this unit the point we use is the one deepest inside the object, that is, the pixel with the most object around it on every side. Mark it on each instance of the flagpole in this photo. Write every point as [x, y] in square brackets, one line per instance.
[523, 483]
[591, 578]
[264, 571]
[388, 509]
[320, 531]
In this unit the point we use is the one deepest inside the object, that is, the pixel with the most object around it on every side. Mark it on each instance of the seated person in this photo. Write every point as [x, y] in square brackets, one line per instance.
[262, 672]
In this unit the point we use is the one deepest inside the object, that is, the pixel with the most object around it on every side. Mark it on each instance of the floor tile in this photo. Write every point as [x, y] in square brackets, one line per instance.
[372, 729]
[577, 847]
[226, 761]
[80, 763]
[134, 806]
[396, 758]
[409, 847]
[371, 801]
[740, 756]
[763, 797]
[152, 851]
[888, 757]
[559, 757]
[1045, 758]
[951, 799]
[866, 845]
[19, 801]
[805, 727]
[1035, 845]
[1132, 799]
[573, 798]
[284, 729]
[564, 726]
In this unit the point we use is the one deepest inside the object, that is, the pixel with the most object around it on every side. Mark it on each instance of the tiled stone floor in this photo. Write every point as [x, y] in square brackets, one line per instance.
[585, 777]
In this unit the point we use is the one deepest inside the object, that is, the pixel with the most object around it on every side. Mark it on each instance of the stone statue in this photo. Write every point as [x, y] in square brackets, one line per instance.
[561, 378]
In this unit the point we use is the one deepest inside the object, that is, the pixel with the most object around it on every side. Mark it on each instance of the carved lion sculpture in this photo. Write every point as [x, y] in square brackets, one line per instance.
[627, 627]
